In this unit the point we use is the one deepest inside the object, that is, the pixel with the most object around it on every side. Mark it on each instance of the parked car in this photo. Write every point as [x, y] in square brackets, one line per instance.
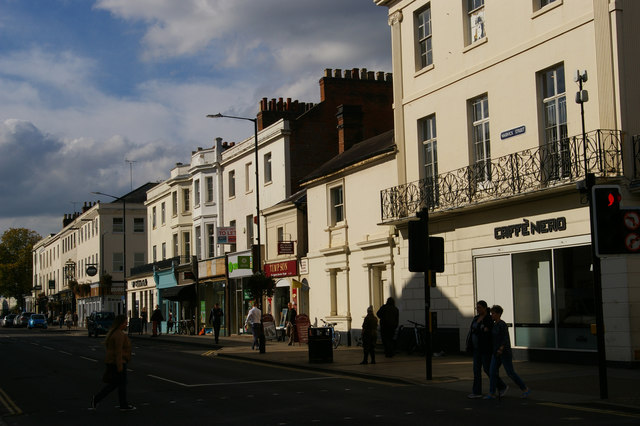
[7, 321]
[22, 320]
[37, 320]
[99, 322]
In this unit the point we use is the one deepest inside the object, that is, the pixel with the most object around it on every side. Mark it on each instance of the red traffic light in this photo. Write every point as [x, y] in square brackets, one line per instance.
[613, 197]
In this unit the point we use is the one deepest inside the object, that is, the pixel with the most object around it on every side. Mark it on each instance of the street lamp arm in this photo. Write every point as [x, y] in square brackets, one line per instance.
[106, 195]
[218, 115]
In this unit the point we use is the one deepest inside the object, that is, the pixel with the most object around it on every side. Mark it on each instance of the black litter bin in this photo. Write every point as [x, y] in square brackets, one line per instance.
[320, 349]
[135, 325]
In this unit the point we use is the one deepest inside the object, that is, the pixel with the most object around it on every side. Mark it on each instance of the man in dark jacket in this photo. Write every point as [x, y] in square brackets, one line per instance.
[156, 318]
[215, 318]
[389, 317]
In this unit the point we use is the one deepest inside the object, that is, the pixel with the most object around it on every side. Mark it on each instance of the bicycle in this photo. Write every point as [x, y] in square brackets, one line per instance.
[412, 338]
[335, 334]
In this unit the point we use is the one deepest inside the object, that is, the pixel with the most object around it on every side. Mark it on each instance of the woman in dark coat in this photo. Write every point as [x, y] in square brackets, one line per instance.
[479, 343]
[369, 336]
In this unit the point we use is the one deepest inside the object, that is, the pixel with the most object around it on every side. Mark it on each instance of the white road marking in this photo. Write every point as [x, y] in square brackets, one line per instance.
[89, 359]
[240, 383]
[66, 353]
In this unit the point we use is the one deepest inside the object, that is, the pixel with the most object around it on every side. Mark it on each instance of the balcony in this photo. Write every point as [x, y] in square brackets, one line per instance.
[536, 169]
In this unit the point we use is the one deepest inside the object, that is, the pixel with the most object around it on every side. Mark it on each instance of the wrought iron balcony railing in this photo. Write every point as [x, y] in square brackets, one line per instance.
[551, 165]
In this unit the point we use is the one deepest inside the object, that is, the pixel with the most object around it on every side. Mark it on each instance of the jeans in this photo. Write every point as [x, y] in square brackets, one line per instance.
[120, 382]
[505, 359]
[482, 361]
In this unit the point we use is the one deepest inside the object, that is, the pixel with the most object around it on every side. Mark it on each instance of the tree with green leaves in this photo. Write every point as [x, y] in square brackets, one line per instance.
[260, 285]
[16, 262]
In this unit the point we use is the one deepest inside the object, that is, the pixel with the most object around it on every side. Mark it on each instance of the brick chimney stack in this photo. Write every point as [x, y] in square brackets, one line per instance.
[350, 126]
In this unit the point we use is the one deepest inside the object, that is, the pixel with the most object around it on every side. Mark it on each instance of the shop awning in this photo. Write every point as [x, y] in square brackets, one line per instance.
[180, 292]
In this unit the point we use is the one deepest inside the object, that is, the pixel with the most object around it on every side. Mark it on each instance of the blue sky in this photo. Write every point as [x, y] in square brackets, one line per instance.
[86, 84]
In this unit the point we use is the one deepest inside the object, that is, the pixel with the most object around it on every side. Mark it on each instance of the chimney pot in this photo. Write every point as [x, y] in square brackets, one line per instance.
[327, 72]
[347, 73]
[337, 73]
[355, 74]
[380, 76]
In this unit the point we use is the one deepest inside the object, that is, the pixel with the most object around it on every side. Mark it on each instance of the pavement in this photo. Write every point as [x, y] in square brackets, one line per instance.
[551, 383]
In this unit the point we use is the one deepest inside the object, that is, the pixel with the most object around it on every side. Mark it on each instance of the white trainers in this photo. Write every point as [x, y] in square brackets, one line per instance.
[474, 396]
[503, 391]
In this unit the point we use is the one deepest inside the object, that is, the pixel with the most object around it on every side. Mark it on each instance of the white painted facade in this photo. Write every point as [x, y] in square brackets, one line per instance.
[487, 97]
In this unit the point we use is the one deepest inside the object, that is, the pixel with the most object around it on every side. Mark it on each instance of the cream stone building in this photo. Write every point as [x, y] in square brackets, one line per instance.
[490, 139]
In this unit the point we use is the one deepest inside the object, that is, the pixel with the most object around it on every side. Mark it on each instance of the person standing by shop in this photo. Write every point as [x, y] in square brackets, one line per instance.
[389, 318]
[156, 318]
[143, 319]
[215, 319]
[291, 323]
[369, 336]
[479, 344]
[117, 357]
[502, 355]
[253, 321]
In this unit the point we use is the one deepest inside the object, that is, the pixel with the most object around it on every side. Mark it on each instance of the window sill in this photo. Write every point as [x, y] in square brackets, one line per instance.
[424, 70]
[546, 9]
[475, 44]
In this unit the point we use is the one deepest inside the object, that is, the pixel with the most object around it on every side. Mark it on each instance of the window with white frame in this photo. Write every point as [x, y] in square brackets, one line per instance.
[554, 106]
[186, 243]
[336, 203]
[475, 17]
[196, 192]
[138, 224]
[176, 247]
[267, 168]
[138, 259]
[211, 240]
[186, 206]
[154, 250]
[428, 136]
[174, 203]
[118, 265]
[209, 183]
[280, 232]
[247, 177]
[481, 138]
[232, 183]
[118, 226]
[153, 217]
[232, 247]
[198, 242]
[249, 227]
[423, 37]
[163, 213]
[164, 251]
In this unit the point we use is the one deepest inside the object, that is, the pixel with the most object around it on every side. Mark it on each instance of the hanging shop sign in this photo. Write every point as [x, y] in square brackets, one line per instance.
[527, 228]
[281, 269]
[285, 247]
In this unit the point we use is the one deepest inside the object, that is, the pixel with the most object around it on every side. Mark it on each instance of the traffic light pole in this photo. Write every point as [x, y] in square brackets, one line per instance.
[597, 292]
[424, 216]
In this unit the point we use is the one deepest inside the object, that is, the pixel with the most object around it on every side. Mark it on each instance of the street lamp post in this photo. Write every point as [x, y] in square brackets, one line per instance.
[255, 130]
[124, 245]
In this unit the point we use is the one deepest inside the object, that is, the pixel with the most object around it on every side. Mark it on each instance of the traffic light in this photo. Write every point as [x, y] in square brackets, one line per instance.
[607, 219]
[418, 245]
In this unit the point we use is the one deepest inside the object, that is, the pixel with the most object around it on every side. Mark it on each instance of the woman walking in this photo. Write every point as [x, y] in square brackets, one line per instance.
[479, 342]
[502, 355]
[118, 355]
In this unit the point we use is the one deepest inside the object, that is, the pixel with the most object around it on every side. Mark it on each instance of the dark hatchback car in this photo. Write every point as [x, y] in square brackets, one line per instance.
[99, 323]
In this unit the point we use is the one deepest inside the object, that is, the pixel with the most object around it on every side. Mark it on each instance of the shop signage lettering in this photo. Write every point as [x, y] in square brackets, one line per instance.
[226, 235]
[527, 228]
[285, 247]
[139, 283]
[243, 262]
[281, 269]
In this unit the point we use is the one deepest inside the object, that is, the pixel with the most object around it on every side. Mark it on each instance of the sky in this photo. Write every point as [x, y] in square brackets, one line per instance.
[86, 85]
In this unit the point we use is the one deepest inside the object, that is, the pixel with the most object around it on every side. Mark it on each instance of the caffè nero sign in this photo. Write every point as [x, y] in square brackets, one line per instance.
[527, 228]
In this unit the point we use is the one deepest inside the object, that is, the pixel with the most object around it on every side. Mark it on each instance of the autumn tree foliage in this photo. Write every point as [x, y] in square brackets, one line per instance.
[16, 268]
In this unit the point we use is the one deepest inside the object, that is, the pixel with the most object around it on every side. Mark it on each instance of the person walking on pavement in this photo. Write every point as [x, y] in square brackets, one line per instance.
[502, 355]
[291, 323]
[369, 336]
[156, 318]
[479, 343]
[117, 356]
[389, 318]
[143, 319]
[215, 318]
[253, 321]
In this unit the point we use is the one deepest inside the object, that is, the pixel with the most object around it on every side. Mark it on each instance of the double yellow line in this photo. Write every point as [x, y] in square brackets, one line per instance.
[9, 404]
